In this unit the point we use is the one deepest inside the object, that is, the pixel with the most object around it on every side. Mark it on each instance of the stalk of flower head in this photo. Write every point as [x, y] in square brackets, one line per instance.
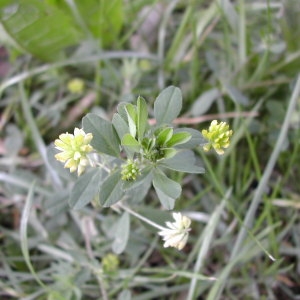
[175, 234]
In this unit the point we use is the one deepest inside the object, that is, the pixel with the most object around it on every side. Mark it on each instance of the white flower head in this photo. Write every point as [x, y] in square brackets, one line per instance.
[176, 235]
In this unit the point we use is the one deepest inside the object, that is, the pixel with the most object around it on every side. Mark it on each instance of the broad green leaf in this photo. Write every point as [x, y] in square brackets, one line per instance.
[179, 138]
[105, 139]
[142, 117]
[129, 141]
[121, 235]
[166, 201]
[167, 105]
[120, 125]
[203, 103]
[164, 136]
[85, 188]
[183, 161]
[196, 138]
[139, 192]
[148, 143]
[168, 186]
[122, 129]
[121, 109]
[168, 152]
[103, 18]
[37, 28]
[111, 190]
[57, 203]
[236, 95]
[132, 118]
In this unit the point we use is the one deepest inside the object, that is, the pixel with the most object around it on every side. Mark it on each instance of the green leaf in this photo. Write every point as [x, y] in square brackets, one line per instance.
[104, 19]
[167, 189]
[122, 129]
[196, 138]
[183, 161]
[129, 141]
[236, 95]
[121, 235]
[166, 201]
[111, 190]
[142, 117]
[148, 143]
[132, 118]
[137, 193]
[105, 139]
[164, 136]
[34, 27]
[120, 125]
[168, 152]
[85, 188]
[167, 105]
[121, 109]
[203, 103]
[179, 138]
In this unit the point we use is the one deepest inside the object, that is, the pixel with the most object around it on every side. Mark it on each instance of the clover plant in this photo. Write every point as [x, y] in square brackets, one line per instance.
[127, 156]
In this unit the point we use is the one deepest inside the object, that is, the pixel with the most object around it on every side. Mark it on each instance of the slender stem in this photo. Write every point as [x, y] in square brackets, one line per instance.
[129, 210]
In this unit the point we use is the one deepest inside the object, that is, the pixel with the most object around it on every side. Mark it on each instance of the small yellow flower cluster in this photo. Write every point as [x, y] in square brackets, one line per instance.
[218, 136]
[177, 233]
[76, 86]
[74, 150]
[130, 170]
[110, 263]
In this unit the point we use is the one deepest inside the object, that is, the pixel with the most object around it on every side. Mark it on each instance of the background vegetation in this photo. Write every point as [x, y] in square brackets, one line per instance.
[233, 60]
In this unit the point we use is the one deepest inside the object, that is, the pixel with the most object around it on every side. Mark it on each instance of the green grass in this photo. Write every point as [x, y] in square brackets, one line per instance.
[244, 242]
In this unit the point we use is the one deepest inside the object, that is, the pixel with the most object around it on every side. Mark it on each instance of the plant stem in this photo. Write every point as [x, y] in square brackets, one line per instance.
[129, 210]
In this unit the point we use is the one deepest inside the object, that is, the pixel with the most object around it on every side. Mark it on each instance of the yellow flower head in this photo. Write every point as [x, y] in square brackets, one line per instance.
[74, 150]
[218, 136]
[76, 86]
[110, 263]
[130, 170]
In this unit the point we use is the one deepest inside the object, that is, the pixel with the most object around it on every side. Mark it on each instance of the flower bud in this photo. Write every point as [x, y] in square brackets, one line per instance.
[130, 170]
[76, 86]
[110, 263]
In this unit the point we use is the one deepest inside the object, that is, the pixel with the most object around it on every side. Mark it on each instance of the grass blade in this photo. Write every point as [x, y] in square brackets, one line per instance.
[208, 233]
[23, 234]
